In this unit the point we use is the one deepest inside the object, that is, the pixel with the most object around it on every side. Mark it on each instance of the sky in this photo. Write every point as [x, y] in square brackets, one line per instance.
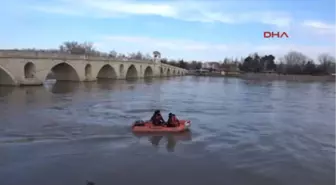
[207, 30]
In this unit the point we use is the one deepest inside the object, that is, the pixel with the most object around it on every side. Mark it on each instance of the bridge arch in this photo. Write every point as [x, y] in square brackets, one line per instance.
[88, 71]
[174, 72]
[148, 72]
[64, 72]
[29, 70]
[131, 72]
[107, 72]
[178, 72]
[6, 77]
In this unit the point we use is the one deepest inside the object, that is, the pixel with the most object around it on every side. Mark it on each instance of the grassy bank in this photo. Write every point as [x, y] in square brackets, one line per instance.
[292, 77]
[271, 76]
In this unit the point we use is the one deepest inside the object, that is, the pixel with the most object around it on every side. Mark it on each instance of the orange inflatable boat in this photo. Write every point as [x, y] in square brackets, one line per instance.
[147, 126]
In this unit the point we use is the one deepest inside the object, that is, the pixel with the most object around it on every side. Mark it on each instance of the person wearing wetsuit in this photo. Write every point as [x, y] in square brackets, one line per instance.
[172, 120]
[157, 119]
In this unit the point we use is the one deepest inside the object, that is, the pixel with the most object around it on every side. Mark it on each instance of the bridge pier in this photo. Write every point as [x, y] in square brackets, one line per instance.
[90, 79]
[30, 82]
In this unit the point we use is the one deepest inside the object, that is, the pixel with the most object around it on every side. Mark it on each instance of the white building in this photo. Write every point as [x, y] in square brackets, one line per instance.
[210, 65]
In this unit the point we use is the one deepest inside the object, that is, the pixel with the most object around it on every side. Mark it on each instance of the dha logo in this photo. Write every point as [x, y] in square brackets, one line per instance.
[268, 34]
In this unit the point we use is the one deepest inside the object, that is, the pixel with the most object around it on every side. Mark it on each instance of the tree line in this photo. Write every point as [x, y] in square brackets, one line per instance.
[292, 63]
[87, 48]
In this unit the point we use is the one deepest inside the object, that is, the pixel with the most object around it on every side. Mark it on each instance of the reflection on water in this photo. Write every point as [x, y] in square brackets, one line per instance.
[6, 90]
[64, 87]
[148, 81]
[88, 86]
[107, 84]
[172, 138]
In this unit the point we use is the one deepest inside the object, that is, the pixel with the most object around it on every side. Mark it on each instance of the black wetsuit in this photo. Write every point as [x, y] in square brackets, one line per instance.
[157, 120]
[172, 121]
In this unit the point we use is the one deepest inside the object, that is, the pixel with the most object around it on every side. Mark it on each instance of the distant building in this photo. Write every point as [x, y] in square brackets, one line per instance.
[332, 69]
[222, 69]
[230, 69]
[199, 71]
[213, 66]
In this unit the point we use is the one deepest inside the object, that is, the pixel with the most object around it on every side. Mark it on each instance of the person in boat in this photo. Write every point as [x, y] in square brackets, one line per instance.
[172, 120]
[157, 119]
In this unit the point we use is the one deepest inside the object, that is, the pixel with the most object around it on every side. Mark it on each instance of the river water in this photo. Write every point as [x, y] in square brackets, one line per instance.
[243, 132]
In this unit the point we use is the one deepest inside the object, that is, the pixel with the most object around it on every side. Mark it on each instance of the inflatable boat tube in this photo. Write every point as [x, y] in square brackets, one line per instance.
[147, 126]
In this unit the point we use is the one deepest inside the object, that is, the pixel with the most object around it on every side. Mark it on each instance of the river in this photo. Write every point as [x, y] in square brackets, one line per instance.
[243, 133]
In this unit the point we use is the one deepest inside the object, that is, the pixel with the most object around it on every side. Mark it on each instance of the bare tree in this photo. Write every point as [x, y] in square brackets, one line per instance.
[326, 58]
[121, 55]
[89, 49]
[226, 60]
[327, 63]
[74, 47]
[156, 55]
[295, 58]
[137, 56]
[113, 54]
[147, 56]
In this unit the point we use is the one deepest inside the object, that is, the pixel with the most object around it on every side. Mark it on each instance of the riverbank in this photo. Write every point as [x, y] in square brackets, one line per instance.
[270, 76]
[273, 76]
[214, 74]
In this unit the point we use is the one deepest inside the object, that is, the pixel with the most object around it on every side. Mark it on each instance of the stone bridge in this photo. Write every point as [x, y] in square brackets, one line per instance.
[33, 67]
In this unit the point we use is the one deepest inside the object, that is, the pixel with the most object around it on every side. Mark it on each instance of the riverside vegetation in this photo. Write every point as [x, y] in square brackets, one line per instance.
[292, 63]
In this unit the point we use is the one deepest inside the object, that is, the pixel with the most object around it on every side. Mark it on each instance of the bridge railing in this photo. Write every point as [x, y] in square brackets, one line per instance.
[170, 66]
[40, 54]
[61, 55]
